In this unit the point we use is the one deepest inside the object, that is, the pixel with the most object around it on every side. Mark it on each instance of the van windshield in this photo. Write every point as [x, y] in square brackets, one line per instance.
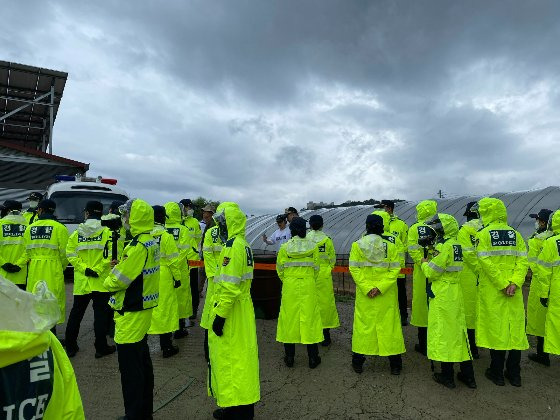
[70, 204]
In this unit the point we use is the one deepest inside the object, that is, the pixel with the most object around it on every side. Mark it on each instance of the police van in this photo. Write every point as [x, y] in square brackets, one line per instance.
[71, 193]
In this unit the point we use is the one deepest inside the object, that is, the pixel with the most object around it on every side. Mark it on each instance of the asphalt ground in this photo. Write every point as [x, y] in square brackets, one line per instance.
[331, 391]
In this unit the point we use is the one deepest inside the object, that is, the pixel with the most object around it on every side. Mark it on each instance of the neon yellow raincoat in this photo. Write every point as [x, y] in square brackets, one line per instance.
[181, 235]
[211, 248]
[135, 279]
[327, 260]
[234, 356]
[45, 241]
[165, 316]
[375, 263]
[425, 210]
[502, 259]
[399, 229]
[89, 247]
[468, 277]
[536, 313]
[36, 378]
[447, 330]
[12, 247]
[297, 265]
[549, 279]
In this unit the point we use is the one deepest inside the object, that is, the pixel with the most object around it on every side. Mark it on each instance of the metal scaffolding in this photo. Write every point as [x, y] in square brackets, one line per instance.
[29, 101]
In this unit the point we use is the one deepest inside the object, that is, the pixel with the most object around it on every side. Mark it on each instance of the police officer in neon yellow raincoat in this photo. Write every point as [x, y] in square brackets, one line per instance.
[468, 275]
[297, 265]
[13, 257]
[36, 378]
[327, 259]
[447, 330]
[375, 265]
[134, 282]
[45, 242]
[165, 316]
[181, 235]
[502, 266]
[234, 357]
[194, 236]
[549, 278]
[425, 210]
[536, 313]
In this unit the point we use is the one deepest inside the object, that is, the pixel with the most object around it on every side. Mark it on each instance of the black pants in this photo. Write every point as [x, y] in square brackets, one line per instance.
[395, 360]
[423, 339]
[312, 350]
[101, 316]
[165, 341]
[206, 350]
[137, 379]
[240, 412]
[403, 302]
[466, 368]
[512, 364]
[193, 278]
[22, 286]
[326, 334]
[540, 347]
[472, 342]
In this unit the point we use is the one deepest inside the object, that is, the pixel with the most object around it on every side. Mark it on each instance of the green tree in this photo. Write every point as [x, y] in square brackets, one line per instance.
[200, 203]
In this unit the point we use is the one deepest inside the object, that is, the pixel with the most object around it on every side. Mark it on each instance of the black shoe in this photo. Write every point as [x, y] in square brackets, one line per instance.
[327, 342]
[513, 380]
[468, 381]
[446, 382]
[542, 359]
[314, 362]
[396, 370]
[218, 414]
[357, 367]
[497, 379]
[289, 361]
[182, 333]
[105, 352]
[418, 349]
[170, 351]
[72, 350]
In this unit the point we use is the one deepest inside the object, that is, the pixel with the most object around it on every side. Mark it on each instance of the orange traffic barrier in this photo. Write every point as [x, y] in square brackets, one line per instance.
[272, 267]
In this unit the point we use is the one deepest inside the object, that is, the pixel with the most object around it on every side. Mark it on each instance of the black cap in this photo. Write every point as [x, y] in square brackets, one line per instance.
[11, 205]
[47, 205]
[35, 196]
[187, 202]
[159, 214]
[291, 210]
[316, 221]
[543, 215]
[114, 207]
[383, 203]
[280, 218]
[469, 207]
[94, 207]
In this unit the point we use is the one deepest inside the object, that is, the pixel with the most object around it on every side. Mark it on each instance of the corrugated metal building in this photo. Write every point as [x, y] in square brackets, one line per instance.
[346, 224]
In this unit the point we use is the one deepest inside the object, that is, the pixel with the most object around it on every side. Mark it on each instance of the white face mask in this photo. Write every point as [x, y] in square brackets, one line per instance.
[190, 212]
[33, 204]
[537, 226]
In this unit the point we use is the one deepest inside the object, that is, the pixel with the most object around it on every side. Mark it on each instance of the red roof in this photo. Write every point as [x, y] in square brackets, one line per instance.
[38, 153]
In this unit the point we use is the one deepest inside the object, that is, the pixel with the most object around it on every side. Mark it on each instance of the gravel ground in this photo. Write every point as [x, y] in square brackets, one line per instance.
[332, 391]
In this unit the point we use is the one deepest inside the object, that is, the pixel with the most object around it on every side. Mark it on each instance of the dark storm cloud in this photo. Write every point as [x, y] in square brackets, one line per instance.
[269, 102]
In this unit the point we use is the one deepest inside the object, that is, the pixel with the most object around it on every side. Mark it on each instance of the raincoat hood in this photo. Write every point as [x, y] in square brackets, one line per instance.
[25, 320]
[316, 235]
[555, 222]
[450, 225]
[425, 210]
[173, 213]
[235, 218]
[141, 218]
[373, 247]
[492, 210]
[300, 247]
[91, 227]
[473, 225]
[386, 219]
[15, 218]
[158, 230]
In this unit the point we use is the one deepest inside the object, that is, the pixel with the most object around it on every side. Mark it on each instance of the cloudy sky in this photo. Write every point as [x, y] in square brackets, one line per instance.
[275, 103]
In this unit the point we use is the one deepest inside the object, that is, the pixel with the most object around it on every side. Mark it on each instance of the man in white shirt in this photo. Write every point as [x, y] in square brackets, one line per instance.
[280, 235]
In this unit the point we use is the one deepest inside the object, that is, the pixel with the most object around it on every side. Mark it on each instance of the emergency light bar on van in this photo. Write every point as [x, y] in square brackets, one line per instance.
[77, 178]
